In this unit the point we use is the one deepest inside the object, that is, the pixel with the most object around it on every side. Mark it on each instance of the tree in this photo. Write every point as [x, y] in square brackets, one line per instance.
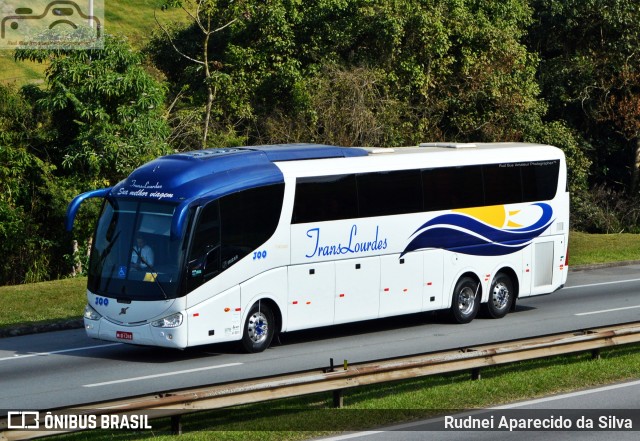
[460, 68]
[346, 106]
[209, 17]
[31, 207]
[106, 110]
[589, 75]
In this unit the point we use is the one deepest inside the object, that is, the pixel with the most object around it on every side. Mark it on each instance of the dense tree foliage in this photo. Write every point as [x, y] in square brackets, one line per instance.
[99, 115]
[589, 75]
[106, 111]
[347, 72]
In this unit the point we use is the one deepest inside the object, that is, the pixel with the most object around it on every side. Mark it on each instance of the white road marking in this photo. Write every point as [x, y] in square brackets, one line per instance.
[62, 351]
[601, 283]
[166, 374]
[412, 425]
[608, 310]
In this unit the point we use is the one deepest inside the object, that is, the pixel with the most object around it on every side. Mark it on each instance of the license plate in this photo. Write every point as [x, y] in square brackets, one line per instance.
[122, 335]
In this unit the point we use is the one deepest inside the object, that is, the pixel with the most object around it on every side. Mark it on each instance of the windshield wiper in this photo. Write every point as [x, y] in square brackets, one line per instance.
[153, 272]
[103, 256]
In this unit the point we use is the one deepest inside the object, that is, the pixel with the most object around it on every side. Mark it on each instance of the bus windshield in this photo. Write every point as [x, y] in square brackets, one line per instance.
[134, 256]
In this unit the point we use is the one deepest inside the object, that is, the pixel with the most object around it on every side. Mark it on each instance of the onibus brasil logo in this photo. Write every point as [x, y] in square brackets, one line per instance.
[51, 24]
[36, 420]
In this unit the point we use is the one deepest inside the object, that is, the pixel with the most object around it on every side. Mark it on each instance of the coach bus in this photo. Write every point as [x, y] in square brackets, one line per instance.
[242, 243]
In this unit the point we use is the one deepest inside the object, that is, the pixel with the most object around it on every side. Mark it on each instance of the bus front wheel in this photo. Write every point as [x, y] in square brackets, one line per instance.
[466, 300]
[500, 296]
[259, 328]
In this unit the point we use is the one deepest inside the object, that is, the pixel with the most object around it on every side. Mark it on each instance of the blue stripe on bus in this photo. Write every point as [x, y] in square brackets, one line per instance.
[467, 235]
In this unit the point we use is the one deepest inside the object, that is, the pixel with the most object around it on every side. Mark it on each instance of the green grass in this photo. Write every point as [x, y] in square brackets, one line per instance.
[600, 248]
[19, 72]
[390, 403]
[40, 303]
[134, 18]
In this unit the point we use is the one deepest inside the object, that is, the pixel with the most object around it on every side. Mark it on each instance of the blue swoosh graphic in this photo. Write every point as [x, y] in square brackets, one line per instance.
[470, 236]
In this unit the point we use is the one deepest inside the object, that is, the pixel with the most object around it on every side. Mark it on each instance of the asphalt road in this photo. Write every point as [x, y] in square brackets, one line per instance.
[65, 368]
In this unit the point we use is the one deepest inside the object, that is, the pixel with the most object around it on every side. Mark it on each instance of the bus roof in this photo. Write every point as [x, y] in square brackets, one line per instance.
[215, 172]
[212, 173]
[427, 155]
[193, 177]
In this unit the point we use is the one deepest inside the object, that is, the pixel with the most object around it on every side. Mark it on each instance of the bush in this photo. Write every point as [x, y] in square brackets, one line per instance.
[605, 210]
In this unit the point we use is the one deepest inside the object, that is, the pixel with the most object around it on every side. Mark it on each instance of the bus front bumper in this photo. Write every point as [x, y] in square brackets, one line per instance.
[144, 334]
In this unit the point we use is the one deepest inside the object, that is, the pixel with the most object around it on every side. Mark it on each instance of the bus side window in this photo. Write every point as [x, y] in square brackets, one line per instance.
[452, 187]
[325, 198]
[502, 184]
[540, 180]
[249, 218]
[389, 193]
[204, 258]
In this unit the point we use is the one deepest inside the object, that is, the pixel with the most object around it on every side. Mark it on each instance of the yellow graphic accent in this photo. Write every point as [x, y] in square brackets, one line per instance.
[511, 223]
[494, 215]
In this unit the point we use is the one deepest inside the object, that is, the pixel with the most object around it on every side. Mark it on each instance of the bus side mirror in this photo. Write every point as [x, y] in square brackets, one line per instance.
[74, 205]
[205, 265]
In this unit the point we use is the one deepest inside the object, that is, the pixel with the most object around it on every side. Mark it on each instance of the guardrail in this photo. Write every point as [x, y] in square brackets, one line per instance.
[179, 402]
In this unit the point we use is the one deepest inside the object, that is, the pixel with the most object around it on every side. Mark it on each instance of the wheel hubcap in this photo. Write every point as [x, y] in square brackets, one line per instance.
[500, 295]
[257, 327]
[466, 300]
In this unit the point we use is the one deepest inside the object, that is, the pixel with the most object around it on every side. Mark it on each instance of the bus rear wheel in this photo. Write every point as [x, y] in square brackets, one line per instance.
[466, 300]
[501, 296]
[259, 328]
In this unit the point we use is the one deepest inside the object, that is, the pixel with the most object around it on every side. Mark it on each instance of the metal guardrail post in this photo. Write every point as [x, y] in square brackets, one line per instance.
[176, 425]
[338, 399]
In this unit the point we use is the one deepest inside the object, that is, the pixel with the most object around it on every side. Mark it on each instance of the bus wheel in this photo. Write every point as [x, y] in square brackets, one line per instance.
[466, 300]
[259, 328]
[500, 296]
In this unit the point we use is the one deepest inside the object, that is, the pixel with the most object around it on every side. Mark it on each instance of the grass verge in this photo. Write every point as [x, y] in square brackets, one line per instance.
[40, 303]
[390, 403]
[600, 248]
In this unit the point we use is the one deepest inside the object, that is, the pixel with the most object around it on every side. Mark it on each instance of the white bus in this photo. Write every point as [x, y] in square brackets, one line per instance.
[240, 244]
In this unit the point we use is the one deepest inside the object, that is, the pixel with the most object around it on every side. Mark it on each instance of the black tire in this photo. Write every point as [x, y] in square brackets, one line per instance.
[466, 300]
[259, 328]
[501, 296]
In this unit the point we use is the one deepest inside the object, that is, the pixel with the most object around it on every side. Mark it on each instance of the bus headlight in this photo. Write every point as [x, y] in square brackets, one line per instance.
[91, 314]
[171, 321]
